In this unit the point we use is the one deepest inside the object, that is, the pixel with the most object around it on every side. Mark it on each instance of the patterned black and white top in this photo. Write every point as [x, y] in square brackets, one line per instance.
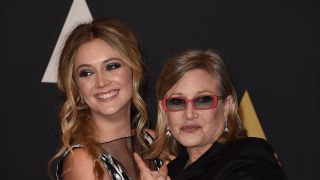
[117, 157]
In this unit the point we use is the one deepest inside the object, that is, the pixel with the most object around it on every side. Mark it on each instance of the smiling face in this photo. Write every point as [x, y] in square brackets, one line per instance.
[103, 78]
[191, 127]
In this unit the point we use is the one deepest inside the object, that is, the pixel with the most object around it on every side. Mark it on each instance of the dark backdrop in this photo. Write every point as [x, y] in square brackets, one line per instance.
[271, 49]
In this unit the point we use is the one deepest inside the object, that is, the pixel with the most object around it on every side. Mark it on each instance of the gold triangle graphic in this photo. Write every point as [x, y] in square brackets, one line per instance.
[250, 118]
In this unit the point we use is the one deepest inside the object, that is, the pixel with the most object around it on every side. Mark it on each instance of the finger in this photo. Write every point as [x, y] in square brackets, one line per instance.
[163, 169]
[140, 163]
[158, 176]
[155, 173]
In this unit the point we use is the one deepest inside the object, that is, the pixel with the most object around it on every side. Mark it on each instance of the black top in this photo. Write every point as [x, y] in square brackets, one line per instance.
[245, 159]
[117, 157]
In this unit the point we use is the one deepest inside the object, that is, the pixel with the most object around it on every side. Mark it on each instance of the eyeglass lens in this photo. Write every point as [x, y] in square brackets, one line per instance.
[176, 103]
[203, 102]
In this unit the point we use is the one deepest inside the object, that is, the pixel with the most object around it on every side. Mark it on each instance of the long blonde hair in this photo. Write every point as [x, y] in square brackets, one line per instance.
[75, 116]
[171, 73]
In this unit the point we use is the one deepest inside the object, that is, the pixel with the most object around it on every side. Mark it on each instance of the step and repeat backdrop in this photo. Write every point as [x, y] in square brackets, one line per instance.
[271, 50]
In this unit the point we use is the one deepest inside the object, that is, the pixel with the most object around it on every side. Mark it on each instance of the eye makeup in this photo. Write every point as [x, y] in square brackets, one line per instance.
[85, 73]
[112, 66]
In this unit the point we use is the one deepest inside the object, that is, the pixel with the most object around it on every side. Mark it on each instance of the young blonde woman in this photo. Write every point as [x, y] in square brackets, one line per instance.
[103, 118]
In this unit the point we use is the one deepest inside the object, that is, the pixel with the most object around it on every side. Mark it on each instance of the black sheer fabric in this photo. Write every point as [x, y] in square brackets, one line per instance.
[121, 151]
[117, 156]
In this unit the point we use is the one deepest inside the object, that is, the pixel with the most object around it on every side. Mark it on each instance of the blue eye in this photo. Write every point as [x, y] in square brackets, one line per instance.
[204, 99]
[112, 66]
[85, 73]
[203, 102]
[176, 101]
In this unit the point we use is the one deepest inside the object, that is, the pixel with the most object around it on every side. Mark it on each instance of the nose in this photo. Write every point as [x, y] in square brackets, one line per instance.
[101, 80]
[190, 112]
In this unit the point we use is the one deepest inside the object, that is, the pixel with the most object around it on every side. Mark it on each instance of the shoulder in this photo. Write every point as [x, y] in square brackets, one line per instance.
[251, 157]
[78, 164]
[250, 149]
[150, 132]
[148, 136]
[251, 143]
[77, 155]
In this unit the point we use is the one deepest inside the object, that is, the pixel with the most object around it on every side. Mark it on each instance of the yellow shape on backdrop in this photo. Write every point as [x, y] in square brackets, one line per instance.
[250, 118]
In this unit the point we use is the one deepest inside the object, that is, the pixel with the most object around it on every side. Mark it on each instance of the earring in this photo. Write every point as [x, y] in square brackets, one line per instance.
[168, 133]
[226, 126]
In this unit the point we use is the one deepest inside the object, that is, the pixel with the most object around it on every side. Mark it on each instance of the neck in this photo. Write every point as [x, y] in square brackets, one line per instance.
[108, 128]
[196, 152]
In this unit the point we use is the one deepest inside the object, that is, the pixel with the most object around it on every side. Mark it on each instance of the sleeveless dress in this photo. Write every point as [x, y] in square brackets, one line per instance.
[117, 157]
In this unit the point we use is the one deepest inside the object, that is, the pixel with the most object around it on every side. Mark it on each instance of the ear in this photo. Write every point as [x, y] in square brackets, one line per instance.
[228, 105]
[161, 110]
[160, 107]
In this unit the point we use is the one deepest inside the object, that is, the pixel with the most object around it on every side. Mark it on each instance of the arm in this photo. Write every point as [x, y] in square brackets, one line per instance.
[79, 165]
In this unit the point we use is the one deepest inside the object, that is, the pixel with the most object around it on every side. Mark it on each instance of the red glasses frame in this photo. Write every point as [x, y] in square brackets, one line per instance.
[214, 105]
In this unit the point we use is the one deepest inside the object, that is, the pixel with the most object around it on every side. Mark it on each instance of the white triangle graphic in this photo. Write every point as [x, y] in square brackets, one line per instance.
[78, 13]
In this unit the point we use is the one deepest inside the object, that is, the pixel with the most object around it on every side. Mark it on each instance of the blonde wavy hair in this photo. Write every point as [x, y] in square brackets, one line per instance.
[75, 116]
[172, 72]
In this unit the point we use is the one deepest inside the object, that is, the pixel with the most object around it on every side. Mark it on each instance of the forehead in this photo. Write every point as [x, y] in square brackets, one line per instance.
[195, 82]
[95, 51]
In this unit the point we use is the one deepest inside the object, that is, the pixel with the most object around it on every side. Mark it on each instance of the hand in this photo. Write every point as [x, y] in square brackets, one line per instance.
[147, 174]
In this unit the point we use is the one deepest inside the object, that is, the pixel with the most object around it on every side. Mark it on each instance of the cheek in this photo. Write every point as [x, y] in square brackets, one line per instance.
[174, 120]
[128, 84]
[83, 88]
[125, 77]
[215, 119]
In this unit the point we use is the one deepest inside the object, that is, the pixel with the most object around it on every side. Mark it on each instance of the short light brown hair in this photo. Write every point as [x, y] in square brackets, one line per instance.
[171, 73]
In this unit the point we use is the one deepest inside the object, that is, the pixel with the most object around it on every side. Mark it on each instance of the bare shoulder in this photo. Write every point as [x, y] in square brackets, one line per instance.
[151, 132]
[79, 165]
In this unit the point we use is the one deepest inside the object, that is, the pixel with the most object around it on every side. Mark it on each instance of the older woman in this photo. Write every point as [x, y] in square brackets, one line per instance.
[199, 124]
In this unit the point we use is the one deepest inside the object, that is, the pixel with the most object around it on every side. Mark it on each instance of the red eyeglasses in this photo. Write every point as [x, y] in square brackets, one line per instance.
[199, 103]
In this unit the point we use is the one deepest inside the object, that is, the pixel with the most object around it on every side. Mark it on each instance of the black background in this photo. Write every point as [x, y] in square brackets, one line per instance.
[271, 49]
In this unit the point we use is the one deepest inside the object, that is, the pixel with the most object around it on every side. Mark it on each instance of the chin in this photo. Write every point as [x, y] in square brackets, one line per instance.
[190, 143]
[110, 112]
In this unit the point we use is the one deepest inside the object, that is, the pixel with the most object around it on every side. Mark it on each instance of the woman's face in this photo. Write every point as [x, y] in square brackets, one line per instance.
[191, 127]
[103, 78]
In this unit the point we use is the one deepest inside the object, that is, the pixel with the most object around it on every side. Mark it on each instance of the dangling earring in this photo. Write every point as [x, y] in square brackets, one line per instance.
[226, 126]
[168, 133]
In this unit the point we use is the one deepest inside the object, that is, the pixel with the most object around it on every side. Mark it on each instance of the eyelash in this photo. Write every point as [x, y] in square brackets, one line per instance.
[112, 66]
[109, 67]
[85, 73]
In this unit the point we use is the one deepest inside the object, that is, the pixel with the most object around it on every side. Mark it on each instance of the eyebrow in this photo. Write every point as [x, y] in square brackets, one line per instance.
[198, 92]
[177, 94]
[104, 62]
[205, 91]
